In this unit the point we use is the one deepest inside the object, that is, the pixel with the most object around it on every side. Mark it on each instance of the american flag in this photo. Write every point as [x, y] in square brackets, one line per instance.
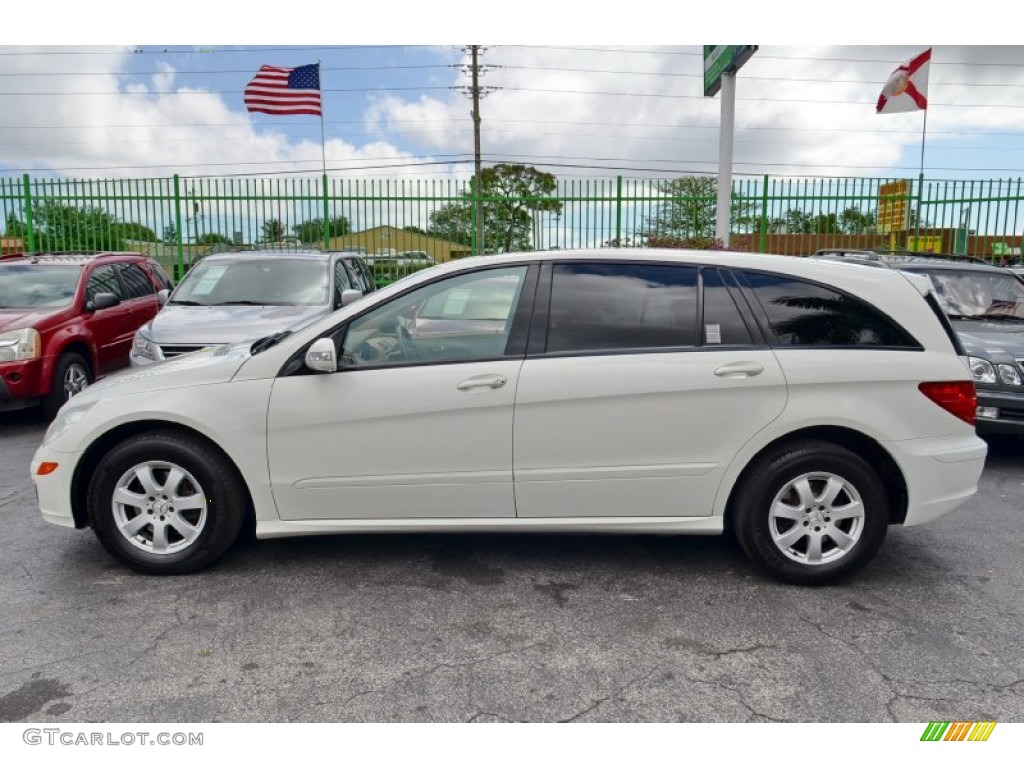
[285, 91]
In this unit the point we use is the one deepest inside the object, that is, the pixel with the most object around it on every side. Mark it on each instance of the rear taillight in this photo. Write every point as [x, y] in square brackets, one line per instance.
[957, 397]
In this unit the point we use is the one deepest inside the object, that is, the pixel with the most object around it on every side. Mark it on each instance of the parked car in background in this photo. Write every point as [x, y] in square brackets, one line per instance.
[804, 405]
[67, 318]
[985, 305]
[242, 296]
[389, 267]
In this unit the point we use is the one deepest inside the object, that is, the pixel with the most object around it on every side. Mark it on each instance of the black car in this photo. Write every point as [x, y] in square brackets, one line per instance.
[985, 306]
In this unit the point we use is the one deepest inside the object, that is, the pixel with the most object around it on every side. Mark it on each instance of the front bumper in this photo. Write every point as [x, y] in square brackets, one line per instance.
[54, 489]
[1010, 420]
[21, 384]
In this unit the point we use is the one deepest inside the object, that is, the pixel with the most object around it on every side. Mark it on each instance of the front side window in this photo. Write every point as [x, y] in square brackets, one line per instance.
[342, 279]
[136, 282]
[30, 285]
[803, 314]
[461, 319]
[607, 306]
[255, 280]
[103, 280]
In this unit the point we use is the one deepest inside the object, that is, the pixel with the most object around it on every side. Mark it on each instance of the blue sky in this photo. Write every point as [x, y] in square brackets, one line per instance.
[583, 110]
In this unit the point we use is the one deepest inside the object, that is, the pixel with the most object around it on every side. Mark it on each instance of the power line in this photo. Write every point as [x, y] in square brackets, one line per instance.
[238, 163]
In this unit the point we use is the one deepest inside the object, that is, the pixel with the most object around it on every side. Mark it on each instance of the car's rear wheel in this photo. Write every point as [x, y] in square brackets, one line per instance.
[166, 503]
[811, 512]
[71, 375]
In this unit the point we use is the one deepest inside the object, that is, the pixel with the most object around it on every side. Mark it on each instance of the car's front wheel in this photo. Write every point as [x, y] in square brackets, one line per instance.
[166, 503]
[71, 375]
[811, 512]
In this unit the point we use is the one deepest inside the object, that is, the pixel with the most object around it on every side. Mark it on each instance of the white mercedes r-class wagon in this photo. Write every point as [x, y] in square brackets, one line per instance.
[804, 406]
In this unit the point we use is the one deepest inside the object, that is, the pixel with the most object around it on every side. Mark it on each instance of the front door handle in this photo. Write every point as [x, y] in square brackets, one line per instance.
[739, 370]
[487, 381]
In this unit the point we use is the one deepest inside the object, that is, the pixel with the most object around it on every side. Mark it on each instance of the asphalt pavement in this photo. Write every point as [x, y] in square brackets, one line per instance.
[511, 627]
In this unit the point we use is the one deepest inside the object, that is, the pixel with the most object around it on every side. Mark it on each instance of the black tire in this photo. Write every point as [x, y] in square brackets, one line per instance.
[771, 474]
[218, 483]
[66, 363]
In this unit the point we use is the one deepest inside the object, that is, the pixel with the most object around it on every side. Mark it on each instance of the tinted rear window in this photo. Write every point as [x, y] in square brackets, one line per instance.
[803, 314]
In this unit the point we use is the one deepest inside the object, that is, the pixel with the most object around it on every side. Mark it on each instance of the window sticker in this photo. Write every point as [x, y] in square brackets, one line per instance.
[713, 333]
[209, 280]
[456, 303]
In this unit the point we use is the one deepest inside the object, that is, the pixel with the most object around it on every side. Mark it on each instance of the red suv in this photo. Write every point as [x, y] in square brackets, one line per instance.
[67, 318]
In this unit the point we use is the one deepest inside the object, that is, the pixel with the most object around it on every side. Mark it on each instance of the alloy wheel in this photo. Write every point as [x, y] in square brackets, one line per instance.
[159, 507]
[816, 518]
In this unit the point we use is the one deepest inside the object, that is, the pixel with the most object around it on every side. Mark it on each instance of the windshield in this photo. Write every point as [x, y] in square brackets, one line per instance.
[979, 295]
[27, 286]
[255, 280]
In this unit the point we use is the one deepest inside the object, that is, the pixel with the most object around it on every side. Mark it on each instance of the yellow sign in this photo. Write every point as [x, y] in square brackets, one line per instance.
[925, 244]
[893, 208]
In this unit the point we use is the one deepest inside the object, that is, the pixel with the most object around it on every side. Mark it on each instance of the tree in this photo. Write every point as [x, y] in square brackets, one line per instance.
[15, 227]
[854, 221]
[170, 234]
[273, 230]
[312, 231]
[214, 238]
[511, 194]
[690, 209]
[61, 227]
[131, 230]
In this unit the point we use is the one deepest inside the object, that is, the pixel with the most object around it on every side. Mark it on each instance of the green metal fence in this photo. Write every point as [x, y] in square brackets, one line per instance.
[403, 224]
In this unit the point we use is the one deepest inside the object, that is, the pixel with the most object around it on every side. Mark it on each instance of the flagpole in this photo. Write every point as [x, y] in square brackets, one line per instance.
[323, 158]
[920, 180]
[323, 148]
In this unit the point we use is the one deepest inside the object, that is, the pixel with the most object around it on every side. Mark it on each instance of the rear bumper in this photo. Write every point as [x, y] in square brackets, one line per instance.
[1011, 413]
[941, 474]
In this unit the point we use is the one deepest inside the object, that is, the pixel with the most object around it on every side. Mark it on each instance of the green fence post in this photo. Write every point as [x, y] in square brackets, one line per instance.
[763, 245]
[618, 211]
[29, 227]
[327, 224]
[177, 228]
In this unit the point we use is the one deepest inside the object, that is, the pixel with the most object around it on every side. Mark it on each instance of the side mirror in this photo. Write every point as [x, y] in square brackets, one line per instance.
[321, 356]
[162, 297]
[102, 301]
[350, 295]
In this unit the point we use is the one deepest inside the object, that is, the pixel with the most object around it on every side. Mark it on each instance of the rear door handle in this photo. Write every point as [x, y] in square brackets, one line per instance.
[487, 381]
[739, 370]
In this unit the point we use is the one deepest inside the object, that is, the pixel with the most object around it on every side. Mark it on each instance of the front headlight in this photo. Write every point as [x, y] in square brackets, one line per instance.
[22, 344]
[67, 416]
[143, 346]
[982, 370]
[1009, 374]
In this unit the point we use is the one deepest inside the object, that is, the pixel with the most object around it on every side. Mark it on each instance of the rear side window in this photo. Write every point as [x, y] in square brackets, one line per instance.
[604, 306]
[103, 280]
[136, 282]
[723, 323]
[803, 314]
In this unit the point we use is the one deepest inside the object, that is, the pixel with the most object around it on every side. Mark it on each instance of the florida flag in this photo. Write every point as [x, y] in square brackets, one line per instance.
[906, 89]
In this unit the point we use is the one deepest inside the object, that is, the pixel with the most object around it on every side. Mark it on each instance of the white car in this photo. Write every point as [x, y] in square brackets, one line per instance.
[805, 405]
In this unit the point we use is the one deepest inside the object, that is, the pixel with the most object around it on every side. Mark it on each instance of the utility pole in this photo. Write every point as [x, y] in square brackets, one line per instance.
[476, 92]
[478, 215]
